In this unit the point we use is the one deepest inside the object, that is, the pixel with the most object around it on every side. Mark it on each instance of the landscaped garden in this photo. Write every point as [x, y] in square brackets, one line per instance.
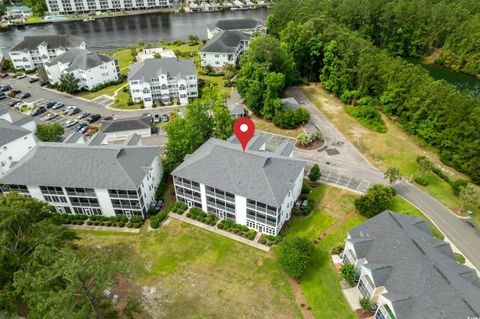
[93, 220]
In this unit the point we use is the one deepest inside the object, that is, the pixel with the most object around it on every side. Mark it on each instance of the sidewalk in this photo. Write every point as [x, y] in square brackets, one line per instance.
[253, 243]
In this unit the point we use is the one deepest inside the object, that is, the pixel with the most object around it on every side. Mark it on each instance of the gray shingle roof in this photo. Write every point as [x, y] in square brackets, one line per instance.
[152, 68]
[128, 124]
[285, 148]
[421, 276]
[3, 111]
[236, 24]
[74, 137]
[261, 176]
[53, 41]
[81, 165]
[133, 139]
[225, 42]
[10, 132]
[79, 59]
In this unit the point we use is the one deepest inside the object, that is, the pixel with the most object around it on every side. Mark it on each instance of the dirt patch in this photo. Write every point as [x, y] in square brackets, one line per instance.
[301, 301]
[363, 314]
[128, 291]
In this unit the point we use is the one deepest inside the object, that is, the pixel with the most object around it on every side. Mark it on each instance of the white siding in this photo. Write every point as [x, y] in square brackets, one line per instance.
[104, 201]
[241, 210]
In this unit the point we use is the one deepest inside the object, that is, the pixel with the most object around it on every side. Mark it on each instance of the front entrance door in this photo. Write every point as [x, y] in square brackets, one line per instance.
[221, 214]
[60, 209]
[260, 229]
[189, 203]
[128, 214]
[87, 211]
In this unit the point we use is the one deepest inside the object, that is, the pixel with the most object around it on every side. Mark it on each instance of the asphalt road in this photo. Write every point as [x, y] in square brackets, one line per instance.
[351, 163]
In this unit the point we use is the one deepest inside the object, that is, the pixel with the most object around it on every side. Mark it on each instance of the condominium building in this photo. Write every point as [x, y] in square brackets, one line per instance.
[87, 6]
[408, 273]
[35, 51]
[109, 180]
[166, 80]
[225, 47]
[248, 25]
[16, 140]
[91, 69]
[255, 188]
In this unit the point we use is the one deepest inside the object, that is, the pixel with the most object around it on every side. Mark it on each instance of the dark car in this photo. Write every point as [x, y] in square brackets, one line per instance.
[93, 118]
[2, 96]
[5, 88]
[38, 111]
[12, 104]
[33, 80]
[49, 105]
[83, 115]
[154, 130]
[72, 111]
[79, 127]
[25, 95]
[43, 83]
[159, 205]
[83, 129]
[3, 75]
[165, 118]
[15, 91]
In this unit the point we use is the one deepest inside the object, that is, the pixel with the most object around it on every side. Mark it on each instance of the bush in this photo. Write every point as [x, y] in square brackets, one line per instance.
[459, 258]
[161, 187]
[366, 113]
[129, 224]
[137, 225]
[365, 303]
[120, 224]
[136, 219]
[378, 198]
[109, 223]
[305, 189]
[348, 274]
[457, 186]
[180, 207]
[337, 249]
[251, 236]
[314, 174]
[420, 180]
[289, 119]
[308, 209]
[89, 222]
[441, 174]
[262, 241]
[154, 222]
[295, 255]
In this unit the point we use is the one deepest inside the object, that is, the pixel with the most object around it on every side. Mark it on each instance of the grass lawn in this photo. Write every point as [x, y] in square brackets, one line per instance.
[121, 100]
[395, 148]
[181, 271]
[110, 91]
[33, 19]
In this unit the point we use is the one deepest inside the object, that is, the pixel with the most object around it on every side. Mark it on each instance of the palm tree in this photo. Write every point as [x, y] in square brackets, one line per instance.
[393, 175]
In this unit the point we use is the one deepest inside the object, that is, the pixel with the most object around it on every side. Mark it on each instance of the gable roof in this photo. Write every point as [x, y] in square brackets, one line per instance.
[10, 132]
[52, 41]
[421, 275]
[152, 68]
[225, 42]
[257, 175]
[78, 59]
[236, 24]
[127, 124]
[81, 165]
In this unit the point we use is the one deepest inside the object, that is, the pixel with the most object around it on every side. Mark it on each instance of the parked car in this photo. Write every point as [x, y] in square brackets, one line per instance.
[5, 88]
[70, 123]
[108, 118]
[49, 116]
[157, 118]
[71, 110]
[91, 131]
[25, 95]
[15, 91]
[49, 105]
[84, 129]
[38, 111]
[3, 75]
[304, 204]
[21, 76]
[68, 108]
[93, 118]
[58, 105]
[83, 115]
[298, 204]
[2, 96]
[158, 205]
[43, 83]
[79, 127]
[13, 103]
[154, 130]
[33, 80]
[165, 118]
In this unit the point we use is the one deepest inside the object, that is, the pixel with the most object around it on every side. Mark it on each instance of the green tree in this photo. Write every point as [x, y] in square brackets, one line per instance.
[469, 195]
[424, 164]
[377, 199]
[222, 122]
[274, 85]
[61, 282]
[25, 224]
[392, 174]
[68, 83]
[295, 255]
[193, 39]
[39, 7]
[50, 132]
[314, 174]
[348, 273]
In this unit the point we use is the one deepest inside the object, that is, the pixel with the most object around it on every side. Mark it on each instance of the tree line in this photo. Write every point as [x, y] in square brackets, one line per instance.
[362, 75]
[448, 29]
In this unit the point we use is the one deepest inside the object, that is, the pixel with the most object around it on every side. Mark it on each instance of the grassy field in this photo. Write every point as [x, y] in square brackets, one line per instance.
[181, 271]
[395, 148]
[110, 91]
[33, 19]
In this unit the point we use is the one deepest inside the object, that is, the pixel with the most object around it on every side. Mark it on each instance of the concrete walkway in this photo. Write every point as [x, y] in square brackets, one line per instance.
[253, 243]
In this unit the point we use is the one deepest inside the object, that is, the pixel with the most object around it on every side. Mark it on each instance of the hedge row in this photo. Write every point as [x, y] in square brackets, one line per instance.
[201, 216]
[271, 240]
[156, 220]
[238, 229]
[94, 220]
[179, 208]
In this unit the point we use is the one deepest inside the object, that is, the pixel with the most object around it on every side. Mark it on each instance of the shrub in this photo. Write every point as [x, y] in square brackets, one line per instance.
[89, 222]
[251, 236]
[136, 219]
[129, 224]
[365, 303]
[220, 226]
[102, 223]
[348, 273]
[441, 174]
[262, 241]
[337, 249]
[420, 180]
[295, 255]
[378, 198]
[244, 228]
[137, 225]
[161, 187]
[109, 223]
[96, 223]
[154, 222]
[289, 119]
[457, 186]
[120, 224]
[314, 174]
[181, 206]
[459, 258]
[366, 113]
[308, 209]
[305, 189]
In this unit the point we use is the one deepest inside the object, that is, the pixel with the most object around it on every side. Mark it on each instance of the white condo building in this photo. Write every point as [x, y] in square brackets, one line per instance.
[225, 47]
[247, 25]
[109, 180]
[35, 51]
[166, 80]
[90, 68]
[16, 140]
[87, 6]
[255, 188]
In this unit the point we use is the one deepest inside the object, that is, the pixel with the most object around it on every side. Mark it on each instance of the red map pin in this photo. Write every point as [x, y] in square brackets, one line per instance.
[244, 129]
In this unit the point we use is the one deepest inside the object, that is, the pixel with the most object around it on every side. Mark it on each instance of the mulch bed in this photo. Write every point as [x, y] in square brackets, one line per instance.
[362, 314]
[312, 146]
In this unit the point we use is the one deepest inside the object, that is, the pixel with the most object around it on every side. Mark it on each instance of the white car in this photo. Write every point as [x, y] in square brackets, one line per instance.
[21, 76]
[49, 116]
[68, 108]
[70, 123]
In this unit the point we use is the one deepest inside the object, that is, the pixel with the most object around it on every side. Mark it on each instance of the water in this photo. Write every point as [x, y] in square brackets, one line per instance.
[461, 81]
[110, 33]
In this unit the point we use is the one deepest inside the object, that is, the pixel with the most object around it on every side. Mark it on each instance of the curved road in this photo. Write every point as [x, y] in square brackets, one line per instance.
[464, 236]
